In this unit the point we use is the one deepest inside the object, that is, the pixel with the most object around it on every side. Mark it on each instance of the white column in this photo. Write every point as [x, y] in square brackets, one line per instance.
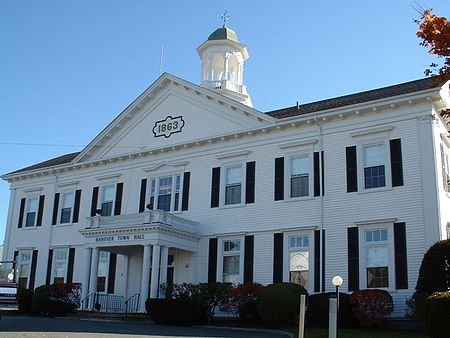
[145, 277]
[225, 68]
[155, 271]
[86, 273]
[163, 270]
[94, 274]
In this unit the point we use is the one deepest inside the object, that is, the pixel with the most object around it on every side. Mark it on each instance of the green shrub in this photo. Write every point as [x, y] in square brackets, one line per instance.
[56, 299]
[176, 311]
[319, 308]
[209, 296]
[24, 297]
[279, 303]
[434, 276]
[437, 314]
[371, 306]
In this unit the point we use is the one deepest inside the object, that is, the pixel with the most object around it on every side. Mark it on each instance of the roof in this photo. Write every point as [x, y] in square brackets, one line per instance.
[348, 100]
[224, 33]
[67, 158]
[337, 102]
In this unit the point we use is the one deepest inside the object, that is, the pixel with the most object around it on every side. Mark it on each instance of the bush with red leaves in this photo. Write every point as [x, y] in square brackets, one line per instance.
[371, 306]
[242, 301]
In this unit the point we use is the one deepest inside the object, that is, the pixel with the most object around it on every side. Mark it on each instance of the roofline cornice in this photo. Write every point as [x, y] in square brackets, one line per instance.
[427, 96]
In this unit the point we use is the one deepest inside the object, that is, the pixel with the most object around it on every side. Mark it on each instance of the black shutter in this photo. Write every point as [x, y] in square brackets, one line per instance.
[322, 164]
[353, 258]
[33, 269]
[40, 210]
[55, 209]
[212, 260]
[278, 258]
[16, 254]
[76, 206]
[401, 267]
[94, 201]
[142, 195]
[443, 168]
[279, 179]
[186, 186]
[352, 174]
[49, 267]
[323, 260]
[316, 260]
[70, 265]
[248, 258]
[396, 162]
[112, 272]
[21, 212]
[316, 174]
[118, 202]
[215, 187]
[250, 183]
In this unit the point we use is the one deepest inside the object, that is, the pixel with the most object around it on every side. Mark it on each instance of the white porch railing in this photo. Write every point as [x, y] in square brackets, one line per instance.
[144, 218]
[223, 84]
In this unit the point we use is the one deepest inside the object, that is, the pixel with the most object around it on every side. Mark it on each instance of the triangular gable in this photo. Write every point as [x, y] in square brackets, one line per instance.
[172, 112]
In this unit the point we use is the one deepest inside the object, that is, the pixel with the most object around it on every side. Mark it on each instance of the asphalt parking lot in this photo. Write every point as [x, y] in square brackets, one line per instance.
[26, 326]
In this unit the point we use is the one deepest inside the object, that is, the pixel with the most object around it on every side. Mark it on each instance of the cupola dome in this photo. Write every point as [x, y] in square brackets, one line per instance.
[224, 33]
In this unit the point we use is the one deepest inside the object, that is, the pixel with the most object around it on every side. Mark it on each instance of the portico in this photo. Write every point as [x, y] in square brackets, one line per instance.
[142, 242]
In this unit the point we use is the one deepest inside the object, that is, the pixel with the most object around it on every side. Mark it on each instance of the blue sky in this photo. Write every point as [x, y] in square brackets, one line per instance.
[67, 68]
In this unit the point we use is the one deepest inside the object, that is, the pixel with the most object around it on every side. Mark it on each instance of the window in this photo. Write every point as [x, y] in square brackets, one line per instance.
[59, 266]
[31, 216]
[445, 167]
[377, 257]
[165, 191]
[231, 252]
[300, 168]
[66, 207]
[298, 248]
[233, 185]
[103, 267]
[107, 200]
[24, 268]
[374, 166]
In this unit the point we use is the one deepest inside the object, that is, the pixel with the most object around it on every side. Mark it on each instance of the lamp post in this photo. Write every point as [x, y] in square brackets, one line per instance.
[337, 282]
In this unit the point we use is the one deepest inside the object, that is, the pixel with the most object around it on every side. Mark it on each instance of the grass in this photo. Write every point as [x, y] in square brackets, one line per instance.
[347, 333]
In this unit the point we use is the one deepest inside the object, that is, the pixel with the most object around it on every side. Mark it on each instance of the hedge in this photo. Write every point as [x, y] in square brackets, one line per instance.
[437, 314]
[317, 314]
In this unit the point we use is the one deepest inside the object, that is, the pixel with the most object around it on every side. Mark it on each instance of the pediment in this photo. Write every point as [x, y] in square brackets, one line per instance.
[172, 112]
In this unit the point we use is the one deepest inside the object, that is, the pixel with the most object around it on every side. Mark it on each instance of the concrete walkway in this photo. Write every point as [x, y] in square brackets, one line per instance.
[24, 326]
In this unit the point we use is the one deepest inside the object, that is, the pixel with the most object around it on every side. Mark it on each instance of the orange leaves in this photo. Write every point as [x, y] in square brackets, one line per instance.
[435, 34]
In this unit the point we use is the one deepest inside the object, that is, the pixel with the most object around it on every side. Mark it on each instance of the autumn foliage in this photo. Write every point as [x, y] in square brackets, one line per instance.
[371, 306]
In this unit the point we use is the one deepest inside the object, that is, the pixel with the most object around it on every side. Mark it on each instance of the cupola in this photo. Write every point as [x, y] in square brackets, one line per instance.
[223, 59]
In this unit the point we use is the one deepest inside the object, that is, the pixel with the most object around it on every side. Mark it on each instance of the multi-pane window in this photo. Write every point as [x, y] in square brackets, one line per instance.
[231, 251]
[32, 208]
[377, 258]
[24, 268]
[374, 166]
[66, 207]
[107, 200]
[165, 191]
[300, 168]
[103, 265]
[299, 259]
[59, 266]
[233, 185]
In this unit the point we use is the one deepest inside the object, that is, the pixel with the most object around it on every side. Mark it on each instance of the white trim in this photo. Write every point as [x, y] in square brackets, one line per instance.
[33, 190]
[221, 254]
[234, 154]
[369, 131]
[376, 221]
[445, 138]
[108, 176]
[307, 142]
[68, 184]
[52, 274]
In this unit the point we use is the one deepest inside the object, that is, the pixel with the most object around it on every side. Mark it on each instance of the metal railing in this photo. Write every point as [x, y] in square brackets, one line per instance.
[102, 302]
[132, 304]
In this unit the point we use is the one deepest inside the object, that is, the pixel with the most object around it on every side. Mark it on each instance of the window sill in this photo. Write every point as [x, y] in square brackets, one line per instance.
[232, 206]
[34, 227]
[373, 190]
[297, 199]
[64, 225]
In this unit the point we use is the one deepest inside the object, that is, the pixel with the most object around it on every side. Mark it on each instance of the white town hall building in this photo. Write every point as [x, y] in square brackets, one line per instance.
[192, 184]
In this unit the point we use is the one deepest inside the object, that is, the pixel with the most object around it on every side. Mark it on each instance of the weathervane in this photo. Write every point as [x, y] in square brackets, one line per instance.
[225, 17]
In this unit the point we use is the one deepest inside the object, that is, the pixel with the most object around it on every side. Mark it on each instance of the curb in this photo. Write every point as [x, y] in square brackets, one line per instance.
[278, 332]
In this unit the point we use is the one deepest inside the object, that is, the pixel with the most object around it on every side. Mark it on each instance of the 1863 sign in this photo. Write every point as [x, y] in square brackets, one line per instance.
[168, 126]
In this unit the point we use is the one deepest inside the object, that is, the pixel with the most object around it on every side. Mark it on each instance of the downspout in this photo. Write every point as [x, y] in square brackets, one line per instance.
[321, 196]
